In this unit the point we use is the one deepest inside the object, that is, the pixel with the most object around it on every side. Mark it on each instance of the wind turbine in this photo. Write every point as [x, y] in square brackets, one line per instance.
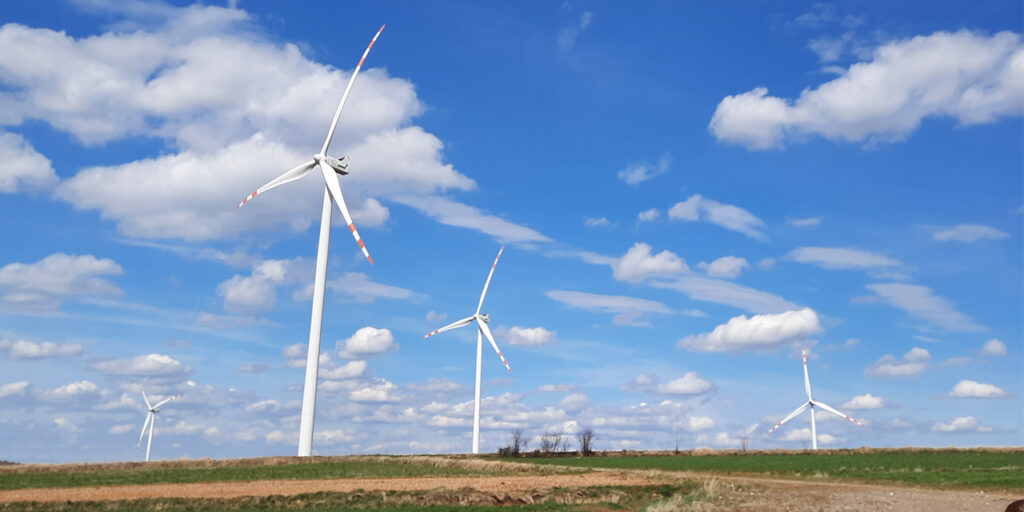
[151, 420]
[330, 168]
[481, 331]
[812, 403]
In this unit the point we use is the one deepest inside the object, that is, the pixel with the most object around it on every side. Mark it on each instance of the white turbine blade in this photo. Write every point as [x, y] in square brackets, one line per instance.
[807, 380]
[344, 96]
[335, 187]
[791, 416]
[833, 411]
[453, 325]
[487, 332]
[175, 397]
[149, 416]
[289, 176]
[146, 399]
[483, 294]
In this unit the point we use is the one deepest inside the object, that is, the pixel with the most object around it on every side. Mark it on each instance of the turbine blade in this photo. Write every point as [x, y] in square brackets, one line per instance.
[289, 176]
[487, 332]
[175, 397]
[149, 416]
[454, 325]
[335, 187]
[807, 380]
[791, 416]
[344, 96]
[483, 294]
[146, 399]
[833, 411]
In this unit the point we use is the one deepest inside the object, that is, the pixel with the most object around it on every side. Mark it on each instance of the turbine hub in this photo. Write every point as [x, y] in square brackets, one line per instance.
[486, 318]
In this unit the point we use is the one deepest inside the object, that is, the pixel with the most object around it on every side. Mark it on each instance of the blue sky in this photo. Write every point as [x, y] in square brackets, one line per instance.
[688, 195]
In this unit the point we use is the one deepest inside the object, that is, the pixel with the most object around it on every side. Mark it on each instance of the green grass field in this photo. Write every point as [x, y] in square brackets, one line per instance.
[383, 468]
[972, 469]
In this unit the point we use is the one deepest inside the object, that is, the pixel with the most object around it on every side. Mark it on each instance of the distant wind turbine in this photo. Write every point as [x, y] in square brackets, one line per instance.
[151, 420]
[482, 330]
[330, 168]
[812, 403]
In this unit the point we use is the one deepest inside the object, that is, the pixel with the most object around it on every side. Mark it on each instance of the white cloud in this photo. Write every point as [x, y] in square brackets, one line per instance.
[557, 388]
[972, 389]
[994, 347]
[971, 77]
[65, 424]
[592, 222]
[258, 291]
[253, 368]
[728, 293]
[833, 258]
[697, 423]
[639, 172]
[809, 222]
[689, 384]
[121, 429]
[968, 233]
[526, 336]
[378, 391]
[648, 215]
[758, 333]
[627, 310]
[149, 365]
[433, 316]
[349, 370]
[359, 286]
[641, 382]
[13, 388]
[914, 362]
[125, 401]
[919, 301]
[804, 434]
[451, 213]
[574, 402]
[70, 390]
[23, 349]
[438, 386]
[725, 215]
[45, 284]
[367, 342]
[959, 424]
[726, 266]
[638, 264]
[866, 401]
[23, 167]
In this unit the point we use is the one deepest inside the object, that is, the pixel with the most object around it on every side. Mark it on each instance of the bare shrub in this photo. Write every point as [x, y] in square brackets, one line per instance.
[586, 438]
[552, 443]
[517, 445]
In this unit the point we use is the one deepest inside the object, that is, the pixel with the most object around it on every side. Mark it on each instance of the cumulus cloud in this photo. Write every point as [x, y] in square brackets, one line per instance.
[44, 285]
[627, 310]
[149, 365]
[367, 342]
[958, 424]
[638, 264]
[258, 291]
[866, 401]
[13, 388]
[972, 389]
[804, 434]
[913, 362]
[23, 167]
[689, 384]
[697, 423]
[349, 370]
[22, 349]
[639, 172]
[726, 266]
[968, 233]
[833, 258]
[648, 215]
[994, 347]
[70, 391]
[765, 332]
[919, 301]
[557, 388]
[727, 216]
[381, 390]
[592, 222]
[574, 402]
[526, 336]
[973, 78]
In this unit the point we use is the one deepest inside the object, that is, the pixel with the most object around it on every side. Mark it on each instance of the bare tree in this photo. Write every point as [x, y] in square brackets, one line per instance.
[551, 442]
[516, 446]
[586, 438]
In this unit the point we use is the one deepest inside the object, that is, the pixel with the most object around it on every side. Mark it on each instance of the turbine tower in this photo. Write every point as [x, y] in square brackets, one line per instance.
[812, 403]
[482, 330]
[151, 420]
[330, 168]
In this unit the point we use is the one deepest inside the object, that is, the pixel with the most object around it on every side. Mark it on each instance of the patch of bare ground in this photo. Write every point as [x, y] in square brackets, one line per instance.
[487, 484]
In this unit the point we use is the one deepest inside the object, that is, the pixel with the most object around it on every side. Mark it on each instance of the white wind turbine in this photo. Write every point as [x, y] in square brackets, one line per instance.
[481, 331]
[151, 420]
[330, 168]
[812, 403]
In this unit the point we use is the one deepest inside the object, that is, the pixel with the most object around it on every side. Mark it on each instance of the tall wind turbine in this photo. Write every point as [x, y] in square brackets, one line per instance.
[812, 403]
[330, 168]
[151, 420]
[482, 330]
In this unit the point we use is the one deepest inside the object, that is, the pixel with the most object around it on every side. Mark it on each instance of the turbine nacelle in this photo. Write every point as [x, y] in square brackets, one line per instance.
[340, 166]
[485, 317]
